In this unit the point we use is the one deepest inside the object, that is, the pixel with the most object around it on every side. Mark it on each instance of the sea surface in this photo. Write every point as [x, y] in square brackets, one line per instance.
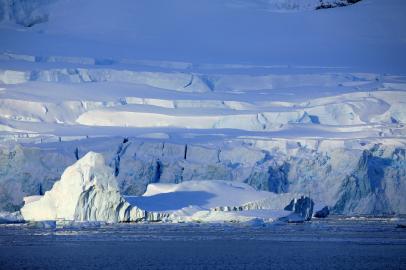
[332, 243]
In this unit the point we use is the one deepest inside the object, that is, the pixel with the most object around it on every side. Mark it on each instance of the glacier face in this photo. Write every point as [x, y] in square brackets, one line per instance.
[368, 179]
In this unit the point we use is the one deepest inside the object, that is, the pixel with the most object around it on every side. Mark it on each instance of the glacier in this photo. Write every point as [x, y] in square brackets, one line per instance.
[367, 180]
[293, 98]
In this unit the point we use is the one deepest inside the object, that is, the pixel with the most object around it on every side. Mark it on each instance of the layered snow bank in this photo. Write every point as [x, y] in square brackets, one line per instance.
[87, 191]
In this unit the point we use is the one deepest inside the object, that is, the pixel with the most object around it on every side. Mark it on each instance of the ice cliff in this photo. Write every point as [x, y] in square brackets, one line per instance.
[350, 178]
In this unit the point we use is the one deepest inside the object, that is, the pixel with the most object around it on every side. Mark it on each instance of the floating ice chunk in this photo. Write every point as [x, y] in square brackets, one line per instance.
[302, 210]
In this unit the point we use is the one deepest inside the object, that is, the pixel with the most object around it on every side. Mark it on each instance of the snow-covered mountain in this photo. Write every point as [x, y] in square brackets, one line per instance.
[287, 96]
[367, 36]
[291, 5]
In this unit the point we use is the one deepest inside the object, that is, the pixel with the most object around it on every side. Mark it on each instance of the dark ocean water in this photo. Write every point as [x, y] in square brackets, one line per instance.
[334, 243]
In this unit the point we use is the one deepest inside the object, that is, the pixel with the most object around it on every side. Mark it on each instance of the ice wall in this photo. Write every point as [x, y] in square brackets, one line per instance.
[369, 179]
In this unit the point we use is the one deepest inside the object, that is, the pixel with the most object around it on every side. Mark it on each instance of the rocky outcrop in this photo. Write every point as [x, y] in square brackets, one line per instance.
[335, 3]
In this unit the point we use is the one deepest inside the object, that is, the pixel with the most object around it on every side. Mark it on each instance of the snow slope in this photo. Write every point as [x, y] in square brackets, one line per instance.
[341, 79]
[307, 78]
[368, 34]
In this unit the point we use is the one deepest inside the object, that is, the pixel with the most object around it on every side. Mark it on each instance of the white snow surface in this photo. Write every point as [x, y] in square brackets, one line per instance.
[230, 65]
[204, 194]
[367, 34]
[212, 201]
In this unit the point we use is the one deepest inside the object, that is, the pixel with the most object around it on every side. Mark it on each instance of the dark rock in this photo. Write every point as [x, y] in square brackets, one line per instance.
[337, 3]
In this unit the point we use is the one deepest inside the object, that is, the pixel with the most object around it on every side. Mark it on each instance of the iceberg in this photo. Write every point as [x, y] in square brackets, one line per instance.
[302, 210]
[87, 191]
[218, 201]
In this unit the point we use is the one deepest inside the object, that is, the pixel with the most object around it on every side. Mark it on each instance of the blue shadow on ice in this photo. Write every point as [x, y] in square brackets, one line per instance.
[170, 201]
